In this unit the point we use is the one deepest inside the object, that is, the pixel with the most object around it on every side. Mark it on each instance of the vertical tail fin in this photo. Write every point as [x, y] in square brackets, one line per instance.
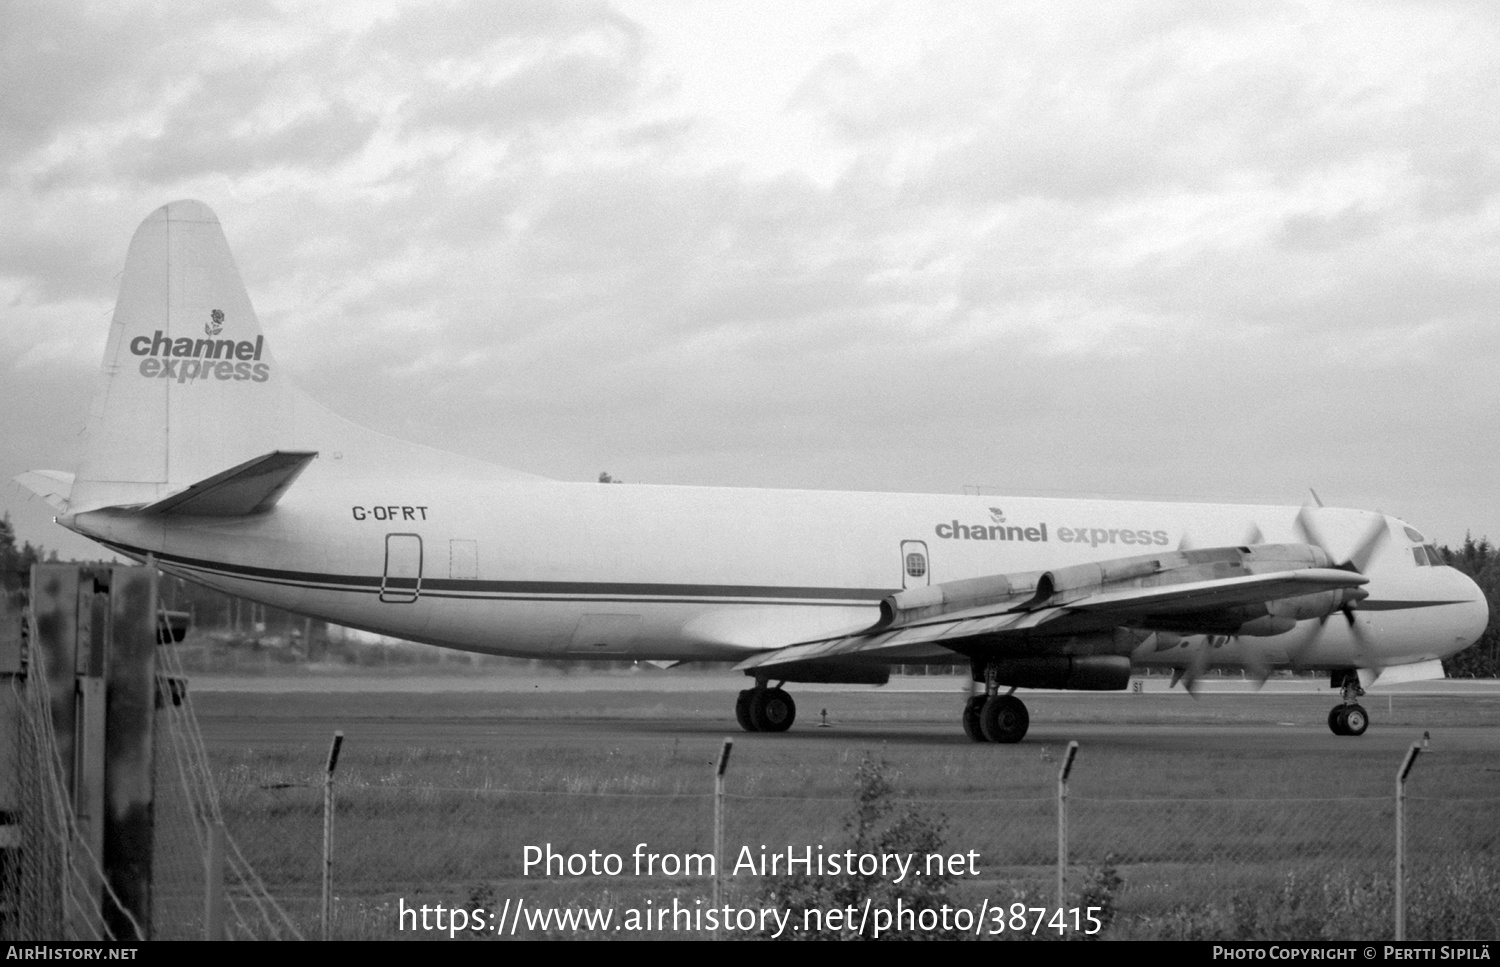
[190, 388]
[189, 385]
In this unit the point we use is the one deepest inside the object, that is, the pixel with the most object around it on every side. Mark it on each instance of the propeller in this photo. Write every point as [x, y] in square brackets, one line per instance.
[1197, 664]
[1364, 549]
[1357, 560]
[1258, 670]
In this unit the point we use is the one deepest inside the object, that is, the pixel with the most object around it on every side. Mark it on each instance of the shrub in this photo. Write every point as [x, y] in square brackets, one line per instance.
[878, 824]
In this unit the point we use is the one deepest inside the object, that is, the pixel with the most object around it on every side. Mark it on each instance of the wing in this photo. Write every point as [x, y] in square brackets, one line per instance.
[1260, 589]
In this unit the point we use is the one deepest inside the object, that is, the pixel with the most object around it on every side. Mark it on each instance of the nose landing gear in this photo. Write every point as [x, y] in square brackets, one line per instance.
[1350, 718]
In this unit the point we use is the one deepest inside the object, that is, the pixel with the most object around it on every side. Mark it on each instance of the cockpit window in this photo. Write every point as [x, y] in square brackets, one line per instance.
[1415, 535]
[1420, 553]
[1433, 557]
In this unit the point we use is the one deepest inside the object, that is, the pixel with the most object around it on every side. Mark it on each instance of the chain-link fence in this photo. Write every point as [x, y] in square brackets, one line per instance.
[52, 883]
[1185, 868]
[191, 828]
[36, 878]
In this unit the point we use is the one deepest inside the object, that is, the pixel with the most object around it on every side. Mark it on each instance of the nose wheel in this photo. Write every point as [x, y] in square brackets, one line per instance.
[1349, 718]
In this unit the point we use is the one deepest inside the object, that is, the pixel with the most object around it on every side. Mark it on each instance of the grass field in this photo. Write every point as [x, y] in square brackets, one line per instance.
[1231, 816]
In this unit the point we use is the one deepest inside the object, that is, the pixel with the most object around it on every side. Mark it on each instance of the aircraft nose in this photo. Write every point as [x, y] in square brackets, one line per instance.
[1474, 614]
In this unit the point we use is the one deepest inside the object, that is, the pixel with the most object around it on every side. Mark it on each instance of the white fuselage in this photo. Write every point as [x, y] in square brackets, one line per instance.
[547, 569]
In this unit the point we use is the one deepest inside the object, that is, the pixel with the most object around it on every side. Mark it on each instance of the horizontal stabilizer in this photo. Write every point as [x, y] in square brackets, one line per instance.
[53, 486]
[253, 487]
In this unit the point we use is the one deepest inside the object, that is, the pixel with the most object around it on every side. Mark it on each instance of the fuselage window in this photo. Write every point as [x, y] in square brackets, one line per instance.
[916, 565]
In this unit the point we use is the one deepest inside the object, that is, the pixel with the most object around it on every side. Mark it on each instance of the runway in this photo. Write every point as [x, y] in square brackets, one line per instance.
[453, 712]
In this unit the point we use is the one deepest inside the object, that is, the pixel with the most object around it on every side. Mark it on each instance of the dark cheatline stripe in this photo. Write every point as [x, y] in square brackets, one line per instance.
[458, 589]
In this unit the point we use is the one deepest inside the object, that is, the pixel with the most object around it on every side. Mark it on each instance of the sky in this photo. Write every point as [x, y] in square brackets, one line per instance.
[1168, 249]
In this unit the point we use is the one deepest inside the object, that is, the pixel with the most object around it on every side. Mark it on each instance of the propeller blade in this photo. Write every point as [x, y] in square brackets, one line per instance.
[1366, 655]
[1256, 667]
[1307, 529]
[1352, 598]
[1364, 551]
[1196, 666]
[1295, 655]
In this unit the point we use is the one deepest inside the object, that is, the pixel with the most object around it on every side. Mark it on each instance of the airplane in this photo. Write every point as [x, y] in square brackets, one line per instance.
[203, 459]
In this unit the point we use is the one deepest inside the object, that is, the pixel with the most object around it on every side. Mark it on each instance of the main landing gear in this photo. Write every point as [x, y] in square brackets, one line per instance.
[762, 709]
[1350, 718]
[993, 717]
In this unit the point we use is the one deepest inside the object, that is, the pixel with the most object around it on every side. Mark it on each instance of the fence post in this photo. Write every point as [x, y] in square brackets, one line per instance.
[1406, 764]
[12, 724]
[213, 884]
[1062, 824]
[723, 764]
[333, 761]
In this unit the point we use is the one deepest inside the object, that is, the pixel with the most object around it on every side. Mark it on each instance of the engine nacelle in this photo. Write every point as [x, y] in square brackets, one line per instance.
[915, 604]
[829, 672]
[1091, 673]
[1280, 616]
[1319, 605]
[1267, 626]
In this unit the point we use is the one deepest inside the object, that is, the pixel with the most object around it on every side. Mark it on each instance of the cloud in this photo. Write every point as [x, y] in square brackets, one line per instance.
[1164, 246]
[71, 67]
[192, 144]
[462, 30]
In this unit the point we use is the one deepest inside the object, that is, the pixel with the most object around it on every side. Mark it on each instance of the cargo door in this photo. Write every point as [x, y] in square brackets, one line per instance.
[402, 581]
